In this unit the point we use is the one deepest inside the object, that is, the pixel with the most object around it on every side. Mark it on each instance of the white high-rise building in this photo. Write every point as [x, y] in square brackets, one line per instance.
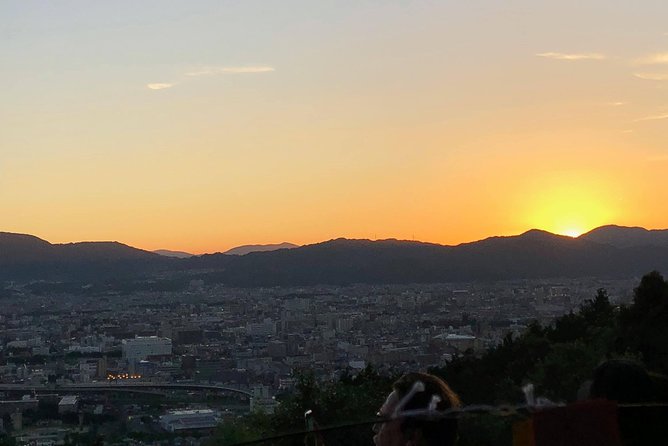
[140, 348]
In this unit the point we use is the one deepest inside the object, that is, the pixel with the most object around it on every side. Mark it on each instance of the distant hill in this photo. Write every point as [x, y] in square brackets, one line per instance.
[27, 257]
[247, 249]
[626, 237]
[22, 248]
[534, 254]
[176, 254]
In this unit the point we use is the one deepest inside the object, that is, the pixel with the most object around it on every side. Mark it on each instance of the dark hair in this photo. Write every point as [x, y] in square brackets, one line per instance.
[627, 381]
[623, 381]
[441, 432]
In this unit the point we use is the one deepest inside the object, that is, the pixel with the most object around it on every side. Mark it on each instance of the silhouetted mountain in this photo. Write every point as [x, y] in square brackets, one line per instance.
[176, 254]
[28, 257]
[532, 255]
[100, 251]
[626, 237]
[247, 249]
[22, 248]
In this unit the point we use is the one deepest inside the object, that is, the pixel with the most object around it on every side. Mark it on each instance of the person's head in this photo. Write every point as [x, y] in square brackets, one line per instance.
[627, 381]
[623, 381]
[418, 431]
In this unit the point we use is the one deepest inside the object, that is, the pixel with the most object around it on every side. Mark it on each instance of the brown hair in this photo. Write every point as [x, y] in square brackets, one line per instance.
[442, 432]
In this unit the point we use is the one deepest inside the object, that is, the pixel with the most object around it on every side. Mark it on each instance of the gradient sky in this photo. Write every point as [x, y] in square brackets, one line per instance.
[202, 125]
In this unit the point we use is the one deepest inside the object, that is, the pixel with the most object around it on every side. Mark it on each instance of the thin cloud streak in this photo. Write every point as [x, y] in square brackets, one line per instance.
[652, 76]
[159, 86]
[572, 56]
[652, 118]
[653, 59]
[209, 71]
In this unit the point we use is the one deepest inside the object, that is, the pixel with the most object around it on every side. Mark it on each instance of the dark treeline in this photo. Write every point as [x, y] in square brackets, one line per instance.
[558, 359]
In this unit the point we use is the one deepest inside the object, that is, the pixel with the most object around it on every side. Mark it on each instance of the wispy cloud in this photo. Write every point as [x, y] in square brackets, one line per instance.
[159, 86]
[572, 56]
[615, 103]
[652, 76]
[653, 59]
[208, 71]
[211, 71]
[652, 117]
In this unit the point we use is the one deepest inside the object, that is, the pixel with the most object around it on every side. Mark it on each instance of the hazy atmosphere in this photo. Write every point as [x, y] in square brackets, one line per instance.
[203, 125]
[333, 223]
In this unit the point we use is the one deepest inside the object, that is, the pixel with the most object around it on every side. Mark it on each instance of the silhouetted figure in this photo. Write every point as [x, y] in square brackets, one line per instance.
[628, 382]
[623, 381]
[418, 430]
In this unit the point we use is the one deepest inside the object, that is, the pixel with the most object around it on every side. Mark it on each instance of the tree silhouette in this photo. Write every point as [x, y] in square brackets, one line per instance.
[644, 325]
[557, 359]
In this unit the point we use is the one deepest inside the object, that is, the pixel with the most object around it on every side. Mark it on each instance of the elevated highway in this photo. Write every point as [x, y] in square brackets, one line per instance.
[140, 387]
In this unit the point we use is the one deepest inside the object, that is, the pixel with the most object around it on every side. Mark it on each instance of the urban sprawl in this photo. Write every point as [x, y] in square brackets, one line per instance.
[180, 363]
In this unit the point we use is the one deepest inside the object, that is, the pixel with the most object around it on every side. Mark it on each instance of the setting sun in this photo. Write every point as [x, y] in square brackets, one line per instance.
[171, 137]
[572, 232]
[287, 205]
[571, 202]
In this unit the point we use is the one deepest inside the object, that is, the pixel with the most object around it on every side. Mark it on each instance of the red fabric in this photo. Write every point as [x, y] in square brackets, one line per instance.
[587, 423]
[523, 433]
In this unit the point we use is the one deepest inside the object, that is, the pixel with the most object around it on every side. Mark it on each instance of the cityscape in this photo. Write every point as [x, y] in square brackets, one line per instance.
[213, 352]
[333, 223]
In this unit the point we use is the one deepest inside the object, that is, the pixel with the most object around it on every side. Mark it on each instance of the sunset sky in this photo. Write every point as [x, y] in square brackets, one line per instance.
[202, 125]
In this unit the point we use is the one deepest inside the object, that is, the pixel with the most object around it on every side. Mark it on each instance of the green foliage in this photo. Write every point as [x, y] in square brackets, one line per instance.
[644, 325]
[557, 359]
[7, 440]
[249, 428]
[485, 430]
[563, 370]
[347, 400]
[82, 438]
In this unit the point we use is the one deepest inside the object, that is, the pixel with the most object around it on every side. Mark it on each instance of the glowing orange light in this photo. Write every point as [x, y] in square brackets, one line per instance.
[573, 232]
[571, 204]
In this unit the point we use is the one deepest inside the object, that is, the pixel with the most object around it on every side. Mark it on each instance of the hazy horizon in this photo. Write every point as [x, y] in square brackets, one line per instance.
[202, 125]
[227, 248]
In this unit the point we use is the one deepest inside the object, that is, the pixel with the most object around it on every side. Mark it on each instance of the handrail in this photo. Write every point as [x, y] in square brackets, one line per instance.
[500, 411]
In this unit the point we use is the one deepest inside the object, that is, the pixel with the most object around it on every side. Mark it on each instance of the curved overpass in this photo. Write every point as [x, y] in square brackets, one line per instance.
[138, 386]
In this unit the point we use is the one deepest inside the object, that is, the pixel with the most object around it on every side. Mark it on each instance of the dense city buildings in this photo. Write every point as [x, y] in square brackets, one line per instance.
[212, 352]
[145, 347]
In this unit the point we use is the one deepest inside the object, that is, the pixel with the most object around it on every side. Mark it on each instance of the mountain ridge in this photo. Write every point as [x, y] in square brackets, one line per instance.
[247, 249]
[627, 236]
[24, 256]
[532, 254]
[171, 253]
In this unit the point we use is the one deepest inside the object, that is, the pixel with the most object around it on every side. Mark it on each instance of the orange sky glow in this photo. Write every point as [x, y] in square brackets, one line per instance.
[205, 125]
